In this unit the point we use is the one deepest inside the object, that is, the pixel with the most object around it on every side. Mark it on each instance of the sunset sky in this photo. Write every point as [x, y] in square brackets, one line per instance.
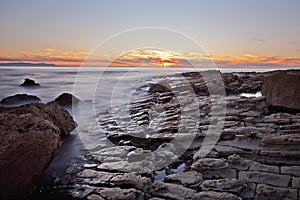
[232, 33]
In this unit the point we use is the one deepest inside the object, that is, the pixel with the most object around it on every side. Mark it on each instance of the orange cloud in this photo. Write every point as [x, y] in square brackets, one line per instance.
[258, 60]
[150, 58]
[153, 58]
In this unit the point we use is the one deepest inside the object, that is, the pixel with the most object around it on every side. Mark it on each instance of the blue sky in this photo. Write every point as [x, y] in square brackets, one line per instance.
[222, 27]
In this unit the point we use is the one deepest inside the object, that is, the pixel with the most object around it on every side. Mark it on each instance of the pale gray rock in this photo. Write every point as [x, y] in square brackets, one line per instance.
[238, 162]
[210, 195]
[266, 192]
[256, 166]
[296, 182]
[221, 173]
[189, 179]
[265, 178]
[120, 194]
[95, 197]
[171, 191]
[225, 150]
[209, 164]
[132, 180]
[290, 170]
[286, 139]
[125, 166]
[236, 186]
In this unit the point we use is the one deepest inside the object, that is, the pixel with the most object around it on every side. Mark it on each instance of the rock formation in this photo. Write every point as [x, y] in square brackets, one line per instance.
[256, 155]
[19, 99]
[30, 139]
[282, 90]
[160, 87]
[67, 99]
[29, 83]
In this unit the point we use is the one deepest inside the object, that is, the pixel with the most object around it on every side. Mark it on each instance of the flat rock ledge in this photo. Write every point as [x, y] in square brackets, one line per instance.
[255, 155]
[30, 139]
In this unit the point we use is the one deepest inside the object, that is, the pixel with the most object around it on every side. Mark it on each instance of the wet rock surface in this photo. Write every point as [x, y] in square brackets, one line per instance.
[187, 143]
[30, 139]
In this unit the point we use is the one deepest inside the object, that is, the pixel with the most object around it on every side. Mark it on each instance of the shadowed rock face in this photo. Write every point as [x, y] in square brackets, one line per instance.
[20, 99]
[282, 90]
[30, 139]
[29, 83]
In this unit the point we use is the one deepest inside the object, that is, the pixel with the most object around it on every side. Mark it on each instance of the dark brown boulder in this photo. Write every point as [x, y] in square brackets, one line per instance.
[282, 90]
[30, 139]
[19, 99]
[29, 83]
[51, 112]
[67, 99]
[161, 87]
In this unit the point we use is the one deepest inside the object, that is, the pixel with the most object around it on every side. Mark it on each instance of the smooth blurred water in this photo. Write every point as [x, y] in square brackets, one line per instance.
[56, 80]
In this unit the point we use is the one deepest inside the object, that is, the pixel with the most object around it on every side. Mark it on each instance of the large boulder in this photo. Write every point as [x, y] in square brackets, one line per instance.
[282, 90]
[30, 139]
[19, 99]
[29, 83]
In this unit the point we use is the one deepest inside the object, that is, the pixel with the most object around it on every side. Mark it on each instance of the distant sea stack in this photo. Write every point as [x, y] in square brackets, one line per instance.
[29, 83]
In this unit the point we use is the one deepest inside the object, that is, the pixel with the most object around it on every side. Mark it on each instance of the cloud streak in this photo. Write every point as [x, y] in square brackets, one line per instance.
[152, 58]
[257, 40]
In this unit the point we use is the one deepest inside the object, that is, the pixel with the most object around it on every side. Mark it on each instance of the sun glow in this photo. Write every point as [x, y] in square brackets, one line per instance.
[166, 59]
[147, 58]
[158, 58]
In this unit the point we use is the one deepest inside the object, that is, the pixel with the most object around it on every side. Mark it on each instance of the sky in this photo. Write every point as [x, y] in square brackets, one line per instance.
[231, 33]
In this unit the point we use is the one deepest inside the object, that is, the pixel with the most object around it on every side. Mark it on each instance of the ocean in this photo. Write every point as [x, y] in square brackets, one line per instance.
[56, 80]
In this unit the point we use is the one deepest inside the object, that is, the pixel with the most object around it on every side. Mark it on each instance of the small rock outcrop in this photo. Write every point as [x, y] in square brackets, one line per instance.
[161, 87]
[20, 99]
[67, 99]
[30, 139]
[282, 90]
[29, 83]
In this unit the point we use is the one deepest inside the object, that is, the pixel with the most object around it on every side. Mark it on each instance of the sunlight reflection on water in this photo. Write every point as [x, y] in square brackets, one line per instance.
[257, 94]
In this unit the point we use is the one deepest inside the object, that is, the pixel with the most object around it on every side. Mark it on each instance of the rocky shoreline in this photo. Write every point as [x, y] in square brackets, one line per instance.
[256, 155]
[159, 152]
